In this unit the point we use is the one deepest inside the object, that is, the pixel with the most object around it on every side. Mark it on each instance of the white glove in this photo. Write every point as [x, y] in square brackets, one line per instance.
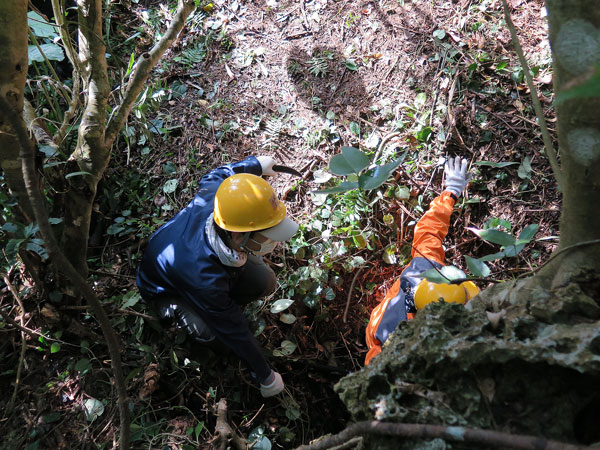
[456, 175]
[267, 163]
[274, 387]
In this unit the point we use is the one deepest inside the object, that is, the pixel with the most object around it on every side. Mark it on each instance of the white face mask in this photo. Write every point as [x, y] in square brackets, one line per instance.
[265, 247]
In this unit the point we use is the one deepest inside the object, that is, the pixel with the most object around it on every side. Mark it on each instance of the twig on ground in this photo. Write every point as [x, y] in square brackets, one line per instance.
[451, 433]
[345, 316]
[383, 143]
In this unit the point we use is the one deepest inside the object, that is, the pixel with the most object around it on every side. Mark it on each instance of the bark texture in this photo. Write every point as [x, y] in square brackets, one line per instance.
[90, 155]
[14, 64]
[574, 37]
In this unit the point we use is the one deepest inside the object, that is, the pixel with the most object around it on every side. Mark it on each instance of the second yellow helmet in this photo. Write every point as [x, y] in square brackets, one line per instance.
[428, 292]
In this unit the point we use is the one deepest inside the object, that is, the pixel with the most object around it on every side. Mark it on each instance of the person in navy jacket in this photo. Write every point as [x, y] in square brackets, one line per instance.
[201, 267]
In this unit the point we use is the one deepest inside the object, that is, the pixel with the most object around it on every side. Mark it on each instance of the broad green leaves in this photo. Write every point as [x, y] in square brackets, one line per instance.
[48, 32]
[444, 275]
[509, 247]
[281, 305]
[353, 162]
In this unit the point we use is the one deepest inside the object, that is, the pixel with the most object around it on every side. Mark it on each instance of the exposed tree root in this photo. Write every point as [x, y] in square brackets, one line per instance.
[225, 436]
[456, 434]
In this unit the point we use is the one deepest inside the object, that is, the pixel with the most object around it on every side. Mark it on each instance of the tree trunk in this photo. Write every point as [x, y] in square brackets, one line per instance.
[14, 63]
[91, 154]
[574, 30]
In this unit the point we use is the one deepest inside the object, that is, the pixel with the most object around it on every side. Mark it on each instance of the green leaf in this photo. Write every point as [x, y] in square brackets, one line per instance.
[114, 229]
[52, 51]
[287, 318]
[524, 170]
[170, 186]
[420, 100]
[351, 65]
[51, 417]
[494, 236]
[281, 305]
[40, 26]
[355, 128]
[513, 250]
[434, 276]
[287, 348]
[10, 227]
[424, 133]
[130, 299]
[527, 234]
[477, 267]
[83, 365]
[375, 177]
[493, 256]
[355, 159]
[93, 409]
[55, 347]
[443, 275]
[329, 294]
[588, 89]
[342, 187]
[440, 34]
[402, 193]
[452, 273]
[130, 65]
[497, 165]
[198, 429]
[321, 176]
[389, 254]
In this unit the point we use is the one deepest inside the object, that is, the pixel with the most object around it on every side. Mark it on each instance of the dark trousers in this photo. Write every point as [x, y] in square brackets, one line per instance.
[256, 280]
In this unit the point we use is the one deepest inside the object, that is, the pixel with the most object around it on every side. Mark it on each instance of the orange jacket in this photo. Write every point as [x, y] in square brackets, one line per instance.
[398, 304]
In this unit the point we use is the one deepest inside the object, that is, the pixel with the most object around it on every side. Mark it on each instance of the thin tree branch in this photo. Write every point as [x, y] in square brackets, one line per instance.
[486, 438]
[59, 18]
[142, 69]
[27, 154]
[537, 106]
[15, 295]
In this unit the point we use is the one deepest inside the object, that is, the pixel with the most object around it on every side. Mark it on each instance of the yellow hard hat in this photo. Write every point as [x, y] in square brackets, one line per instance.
[246, 202]
[428, 292]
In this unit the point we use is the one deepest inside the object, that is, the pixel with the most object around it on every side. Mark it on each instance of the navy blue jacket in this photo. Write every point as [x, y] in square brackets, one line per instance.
[179, 262]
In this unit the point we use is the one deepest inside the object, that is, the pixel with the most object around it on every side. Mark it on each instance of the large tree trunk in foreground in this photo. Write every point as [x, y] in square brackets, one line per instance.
[525, 358]
[14, 64]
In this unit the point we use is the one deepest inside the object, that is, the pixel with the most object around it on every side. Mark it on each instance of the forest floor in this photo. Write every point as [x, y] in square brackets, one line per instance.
[297, 81]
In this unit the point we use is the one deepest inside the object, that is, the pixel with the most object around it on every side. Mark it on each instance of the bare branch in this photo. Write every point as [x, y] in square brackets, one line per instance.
[486, 438]
[142, 69]
[59, 17]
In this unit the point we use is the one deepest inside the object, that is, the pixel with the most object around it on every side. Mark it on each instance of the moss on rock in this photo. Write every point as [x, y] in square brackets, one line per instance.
[517, 359]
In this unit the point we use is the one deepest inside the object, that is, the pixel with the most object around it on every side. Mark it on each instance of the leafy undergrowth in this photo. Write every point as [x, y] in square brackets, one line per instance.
[417, 79]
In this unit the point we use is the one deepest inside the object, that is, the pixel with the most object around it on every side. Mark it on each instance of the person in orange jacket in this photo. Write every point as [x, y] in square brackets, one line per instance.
[411, 291]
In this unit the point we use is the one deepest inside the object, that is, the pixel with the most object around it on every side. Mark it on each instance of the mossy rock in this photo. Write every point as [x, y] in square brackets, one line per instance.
[517, 359]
